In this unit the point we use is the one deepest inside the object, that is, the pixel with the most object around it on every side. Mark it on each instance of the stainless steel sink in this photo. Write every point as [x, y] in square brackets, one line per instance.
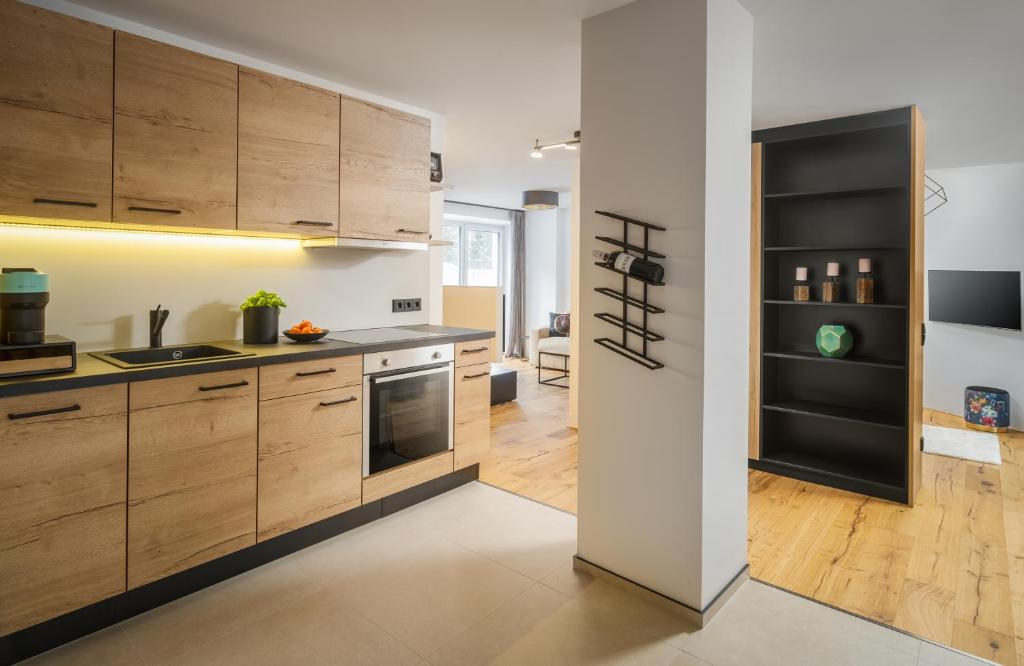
[141, 358]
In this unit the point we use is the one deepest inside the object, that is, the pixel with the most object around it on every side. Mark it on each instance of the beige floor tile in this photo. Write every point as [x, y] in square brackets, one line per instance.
[425, 591]
[109, 647]
[523, 535]
[757, 626]
[935, 655]
[318, 629]
[168, 631]
[542, 626]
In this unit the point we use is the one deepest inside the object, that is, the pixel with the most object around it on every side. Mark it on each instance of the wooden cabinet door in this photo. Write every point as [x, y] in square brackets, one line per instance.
[385, 173]
[473, 352]
[310, 458]
[63, 462]
[175, 136]
[55, 114]
[287, 156]
[191, 471]
[472, 414]
[284, 379]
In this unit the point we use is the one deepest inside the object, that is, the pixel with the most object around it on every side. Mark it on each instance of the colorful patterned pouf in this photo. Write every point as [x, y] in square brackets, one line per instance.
[987, 408]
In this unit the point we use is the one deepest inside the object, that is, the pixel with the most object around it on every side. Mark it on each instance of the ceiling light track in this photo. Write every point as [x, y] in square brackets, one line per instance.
[568, 144]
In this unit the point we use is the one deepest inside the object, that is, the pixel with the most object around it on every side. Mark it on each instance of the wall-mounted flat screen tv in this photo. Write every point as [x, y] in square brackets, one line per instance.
[980, 298]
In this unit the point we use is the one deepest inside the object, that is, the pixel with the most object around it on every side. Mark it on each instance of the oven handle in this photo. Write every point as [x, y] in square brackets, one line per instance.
[407, 375]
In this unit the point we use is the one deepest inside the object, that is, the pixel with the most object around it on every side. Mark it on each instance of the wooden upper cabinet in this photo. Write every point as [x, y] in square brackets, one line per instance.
[63, 469]
[56, 82]
[175, 136]
[385, 173]
[287, 156]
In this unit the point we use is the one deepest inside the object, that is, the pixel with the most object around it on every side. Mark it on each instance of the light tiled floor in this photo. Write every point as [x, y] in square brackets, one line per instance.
[472, 577]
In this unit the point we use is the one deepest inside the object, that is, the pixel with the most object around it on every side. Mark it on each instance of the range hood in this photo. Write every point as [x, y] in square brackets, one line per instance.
[371, 244]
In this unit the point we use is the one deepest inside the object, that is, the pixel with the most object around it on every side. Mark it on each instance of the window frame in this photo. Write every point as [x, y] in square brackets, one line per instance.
[464, 228]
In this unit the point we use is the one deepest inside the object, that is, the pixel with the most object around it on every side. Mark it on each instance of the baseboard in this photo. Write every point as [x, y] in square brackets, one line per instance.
[700, 618]
[71, 626]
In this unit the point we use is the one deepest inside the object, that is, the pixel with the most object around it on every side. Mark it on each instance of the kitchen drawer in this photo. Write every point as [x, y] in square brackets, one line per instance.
[278, 381]
[476, 351]
[408, 475]
[472, 414]
[192, 447]
[63, 466]
[310, 459]
[206, 386]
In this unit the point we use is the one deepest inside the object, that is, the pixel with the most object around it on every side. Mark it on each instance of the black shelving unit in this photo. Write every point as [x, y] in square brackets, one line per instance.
[838, 190]
[642, 249]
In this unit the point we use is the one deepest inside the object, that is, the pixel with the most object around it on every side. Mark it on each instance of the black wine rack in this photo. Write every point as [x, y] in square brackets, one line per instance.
[622, 321]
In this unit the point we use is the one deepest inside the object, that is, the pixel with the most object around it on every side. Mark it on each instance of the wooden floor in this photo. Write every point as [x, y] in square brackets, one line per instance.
[533, 451]
[950, 570]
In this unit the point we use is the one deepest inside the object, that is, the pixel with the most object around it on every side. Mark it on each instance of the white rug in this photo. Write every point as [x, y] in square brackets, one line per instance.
[966, 444]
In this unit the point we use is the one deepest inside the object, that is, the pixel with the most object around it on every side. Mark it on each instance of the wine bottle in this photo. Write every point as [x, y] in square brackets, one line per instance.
[627, 263]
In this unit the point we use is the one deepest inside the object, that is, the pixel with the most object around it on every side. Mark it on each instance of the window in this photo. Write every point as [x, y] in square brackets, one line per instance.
[475, 257]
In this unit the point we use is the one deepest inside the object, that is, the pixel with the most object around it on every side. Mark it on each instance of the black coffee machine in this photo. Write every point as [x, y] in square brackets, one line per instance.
[24, 293]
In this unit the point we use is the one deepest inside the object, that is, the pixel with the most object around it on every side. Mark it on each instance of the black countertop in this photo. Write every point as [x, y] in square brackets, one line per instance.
[92, 371]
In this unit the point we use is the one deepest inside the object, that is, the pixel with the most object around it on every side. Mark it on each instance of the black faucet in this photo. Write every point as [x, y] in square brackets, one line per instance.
[157, 319]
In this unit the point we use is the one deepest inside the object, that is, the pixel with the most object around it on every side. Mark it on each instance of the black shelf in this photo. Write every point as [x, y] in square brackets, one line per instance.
[630, 276]
[834, 194]
[622, 346]
[837, 305]
[837, 191]
[629, 246]
[631, 327]
[832, 248]
[823, 411]
[630, 300]
[864, 479]
[868, 361]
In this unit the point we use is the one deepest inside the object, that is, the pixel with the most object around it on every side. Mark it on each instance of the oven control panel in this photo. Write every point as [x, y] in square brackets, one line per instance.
[399, 359]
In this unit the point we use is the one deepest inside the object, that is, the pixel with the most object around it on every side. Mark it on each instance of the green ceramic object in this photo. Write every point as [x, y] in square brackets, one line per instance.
[834, 340]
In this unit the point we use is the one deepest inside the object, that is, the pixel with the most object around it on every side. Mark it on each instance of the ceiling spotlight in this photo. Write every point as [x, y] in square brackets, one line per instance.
[568, 144]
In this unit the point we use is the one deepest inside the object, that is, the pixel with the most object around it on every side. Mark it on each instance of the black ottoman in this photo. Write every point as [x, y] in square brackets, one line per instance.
[503, 384]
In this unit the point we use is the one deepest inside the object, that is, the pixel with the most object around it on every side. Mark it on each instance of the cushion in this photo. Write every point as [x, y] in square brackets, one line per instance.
[559, 324]
[556, 345]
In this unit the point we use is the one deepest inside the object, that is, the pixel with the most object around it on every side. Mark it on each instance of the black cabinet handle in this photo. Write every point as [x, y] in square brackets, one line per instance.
[315, 372]
[224, 386]
[412, 231]
[475, 350]
[45, 412]
[314, 223]
[479, 374]
[61, 202]
[331, 403]
[146, 209]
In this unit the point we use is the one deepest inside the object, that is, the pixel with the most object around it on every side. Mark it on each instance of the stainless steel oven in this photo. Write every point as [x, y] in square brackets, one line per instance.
[408, 401]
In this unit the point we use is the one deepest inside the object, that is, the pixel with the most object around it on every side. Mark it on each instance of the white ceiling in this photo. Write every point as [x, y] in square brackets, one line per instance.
[505, 72]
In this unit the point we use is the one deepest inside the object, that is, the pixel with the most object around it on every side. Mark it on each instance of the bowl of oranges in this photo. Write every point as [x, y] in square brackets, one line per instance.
[305, 331]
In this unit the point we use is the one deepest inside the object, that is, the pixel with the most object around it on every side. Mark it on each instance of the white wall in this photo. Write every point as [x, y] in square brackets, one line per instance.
[541, 267]
[979, 229]
[563, 254]
[649, 472]
[103, 282]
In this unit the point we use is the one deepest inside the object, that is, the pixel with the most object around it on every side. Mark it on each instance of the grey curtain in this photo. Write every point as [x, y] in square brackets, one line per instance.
[517, 303]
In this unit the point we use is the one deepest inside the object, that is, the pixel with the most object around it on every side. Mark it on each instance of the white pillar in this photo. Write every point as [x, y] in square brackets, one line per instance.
[666, 107]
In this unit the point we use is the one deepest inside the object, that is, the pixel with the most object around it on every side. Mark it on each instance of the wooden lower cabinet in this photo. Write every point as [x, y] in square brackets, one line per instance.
[63, 460]
[192, 449]
[310, 458]
[472, 414]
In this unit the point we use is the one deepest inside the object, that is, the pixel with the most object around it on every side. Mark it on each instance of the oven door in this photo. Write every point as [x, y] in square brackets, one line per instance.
[407, 416]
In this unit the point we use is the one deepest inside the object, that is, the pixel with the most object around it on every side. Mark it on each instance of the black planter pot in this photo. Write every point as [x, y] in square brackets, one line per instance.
[259, 325]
